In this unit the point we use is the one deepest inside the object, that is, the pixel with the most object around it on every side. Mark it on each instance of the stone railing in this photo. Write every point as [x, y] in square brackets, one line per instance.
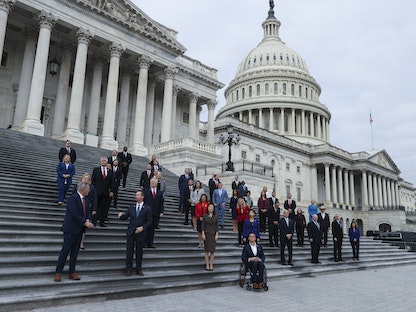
[239, 166]
[187, 143]
[197, 66]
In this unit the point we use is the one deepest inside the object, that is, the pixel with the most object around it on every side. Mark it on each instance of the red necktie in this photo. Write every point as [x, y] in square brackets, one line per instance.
[154, 193]
[83, 207]
[104, 173]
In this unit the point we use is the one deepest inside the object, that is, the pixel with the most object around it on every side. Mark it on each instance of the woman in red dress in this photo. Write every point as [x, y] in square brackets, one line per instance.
[242, 215]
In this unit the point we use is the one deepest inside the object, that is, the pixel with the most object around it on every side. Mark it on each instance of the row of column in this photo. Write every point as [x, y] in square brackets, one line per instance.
[32, 83]
[297, 124]
[379, 192]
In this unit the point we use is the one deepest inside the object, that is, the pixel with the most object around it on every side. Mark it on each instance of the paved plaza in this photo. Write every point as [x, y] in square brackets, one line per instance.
[387, 289]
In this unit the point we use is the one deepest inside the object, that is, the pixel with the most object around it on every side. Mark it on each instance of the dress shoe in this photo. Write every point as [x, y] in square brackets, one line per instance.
[140, 273]
[74, 276]
[151, 246]
[128, 272]
[57, 277]
[290, 263]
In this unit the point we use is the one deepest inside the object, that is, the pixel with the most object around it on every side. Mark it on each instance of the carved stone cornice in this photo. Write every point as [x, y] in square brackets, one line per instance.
[7, 5]
[193, 97]
[116, 49]
[46, 19]
[84, 36]
[145, 62]
[170, 72]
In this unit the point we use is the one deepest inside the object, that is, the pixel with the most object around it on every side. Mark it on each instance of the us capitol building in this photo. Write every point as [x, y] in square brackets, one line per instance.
[105, 74]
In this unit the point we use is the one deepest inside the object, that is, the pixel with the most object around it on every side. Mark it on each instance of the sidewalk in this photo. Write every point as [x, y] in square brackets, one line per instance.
[387, 289]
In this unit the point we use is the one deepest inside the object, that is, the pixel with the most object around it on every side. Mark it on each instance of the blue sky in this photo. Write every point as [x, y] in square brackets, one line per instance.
[362, 53]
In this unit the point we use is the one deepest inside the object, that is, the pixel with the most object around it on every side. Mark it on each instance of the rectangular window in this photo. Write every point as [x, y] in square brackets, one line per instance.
[288, 167]
[257, 158]
[298, 194]
[298, 169]
[287, 189]
[185, 117]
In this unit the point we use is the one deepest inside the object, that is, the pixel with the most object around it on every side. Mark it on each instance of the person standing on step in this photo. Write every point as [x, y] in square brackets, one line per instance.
[154, 199]
[219, 199]
[113, 157]
[213, 185]
[251, 225]
[78, 214]
[337, 236]
[274, 216]
[354, 235]
[67, 150]
[200, 210]
[315, 238]
[117, 176]
[325, 223]
[312, 209]
[242, 215]
[65, 171]
[187, 200]
[300, 225]
[195, 198]
[290, 205]
[287, 228]
[263, 204]
[145, 177]
[102, 179]
[182, 184]
[210, 236]
[233, 209]
[125, 159]
[140, 216]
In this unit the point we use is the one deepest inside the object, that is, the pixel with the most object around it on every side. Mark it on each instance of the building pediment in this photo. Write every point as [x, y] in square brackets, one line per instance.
[381, 158]
[126, 13]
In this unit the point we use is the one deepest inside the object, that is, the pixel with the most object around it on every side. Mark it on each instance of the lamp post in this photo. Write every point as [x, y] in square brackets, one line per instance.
[230, 140]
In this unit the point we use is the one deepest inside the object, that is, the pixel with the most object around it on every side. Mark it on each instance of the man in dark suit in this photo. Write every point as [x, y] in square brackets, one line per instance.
[213, 185]
[323, 219]
[67, 150]
[182, 183]
[287, 228]
[113, 157]
[187, 192]
[140, 216]
[117, 176]
[125, 159]
[338, 236]
[102, 179]
[290, 205]
[235, 184]
[78, 214]
[274, 216]
[154, 199]
[145, 177]
[315, 238]
[253, 257]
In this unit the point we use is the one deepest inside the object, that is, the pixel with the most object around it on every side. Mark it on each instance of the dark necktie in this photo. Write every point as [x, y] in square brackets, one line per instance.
[84, 208]
[138, 211]
[154, 193]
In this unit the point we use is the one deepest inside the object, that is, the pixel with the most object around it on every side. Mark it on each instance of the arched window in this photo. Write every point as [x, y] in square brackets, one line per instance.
[250, 91]
[258, 89]
[284, 88]
[237, 94]
[306, 92]
[243, 93]
[266, 88]
[300, 91]
[292, 89]
[275, 88]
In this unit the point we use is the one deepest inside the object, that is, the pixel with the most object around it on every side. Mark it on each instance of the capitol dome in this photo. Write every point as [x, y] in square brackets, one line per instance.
[274, 90]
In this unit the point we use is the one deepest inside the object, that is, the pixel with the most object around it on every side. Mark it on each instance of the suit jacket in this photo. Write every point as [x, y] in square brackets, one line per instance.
[187, 195]
[235, 185]
[125, 160]
[284, 229]
[354, 234]
[144, 219]
[156, 203]
[63, 151]
[314, 233]
[212, 186]
[249, 227]
[337, 230]
[145, 180]
[61, 170]
[183, 181]
[102, 186]
[110, 160]
[324, 222]
[217, 200]
[273, 215]
[248, 253]
[117, 176]
[291, 206]
[74, 217]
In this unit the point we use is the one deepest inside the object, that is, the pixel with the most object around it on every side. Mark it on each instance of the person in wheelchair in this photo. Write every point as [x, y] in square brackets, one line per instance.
[253, 258]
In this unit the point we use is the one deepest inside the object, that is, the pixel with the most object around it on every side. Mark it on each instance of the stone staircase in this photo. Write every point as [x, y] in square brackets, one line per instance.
[30, 239]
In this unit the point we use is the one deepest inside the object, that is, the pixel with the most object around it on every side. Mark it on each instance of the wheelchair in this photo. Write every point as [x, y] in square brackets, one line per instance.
[248, 282]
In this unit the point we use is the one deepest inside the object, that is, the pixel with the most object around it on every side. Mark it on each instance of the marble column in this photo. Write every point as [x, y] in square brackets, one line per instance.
[364, 190]
[124, 109]
[240, 115]
[167, 104]
[91, 138]
[303, 118]
[327, 185]
[58, 124]
[193, 99]
[370, 190]
[138, 147]
[383, 183]
[198, 118]
[328, 137]
[397, 191]
[314, 182]
[318, 127]
[271, 119]
[312, 123]
[150, 109]
[334, 186]
[323, 128]
[25, 77]
[292, 122]
[5, 7]
[210, 131]
[32, 123]
[375, 190]
[175, 92]
[346, 188]
[72, 130]
[282, 121]
[107, 139]
[352, 189]
[250, 117]
[340, 188]
[389, 203]
[261, 123]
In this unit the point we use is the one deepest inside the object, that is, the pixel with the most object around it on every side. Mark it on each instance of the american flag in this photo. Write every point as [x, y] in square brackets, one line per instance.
[371, 119]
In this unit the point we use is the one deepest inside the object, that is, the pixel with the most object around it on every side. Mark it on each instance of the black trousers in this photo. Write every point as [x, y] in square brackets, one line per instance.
[103, 205]
[355, 249]
[315, 247]
[273, 234]
[135, 240]
[151, 233]
[283, 243]
[70, 246]
[300, 233]
[338, 249]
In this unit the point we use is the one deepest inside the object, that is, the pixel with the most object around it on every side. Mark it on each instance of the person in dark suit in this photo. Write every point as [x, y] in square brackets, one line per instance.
[145, 177]
[287, 228]
[117, 176]
[253, 257]
[274, 216]
[323, 219]
[140, 216]
[315, 238]
[102, 179]
[300, 224]
[354, 235]
[213, 185]
[65, 171]
[78, 214]
[113, 157]
[126, 160]
[187, 200]
[337, 235]
[67, 150]
[235, 184]
[154, 199]
[290, 205]
[182, 183]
